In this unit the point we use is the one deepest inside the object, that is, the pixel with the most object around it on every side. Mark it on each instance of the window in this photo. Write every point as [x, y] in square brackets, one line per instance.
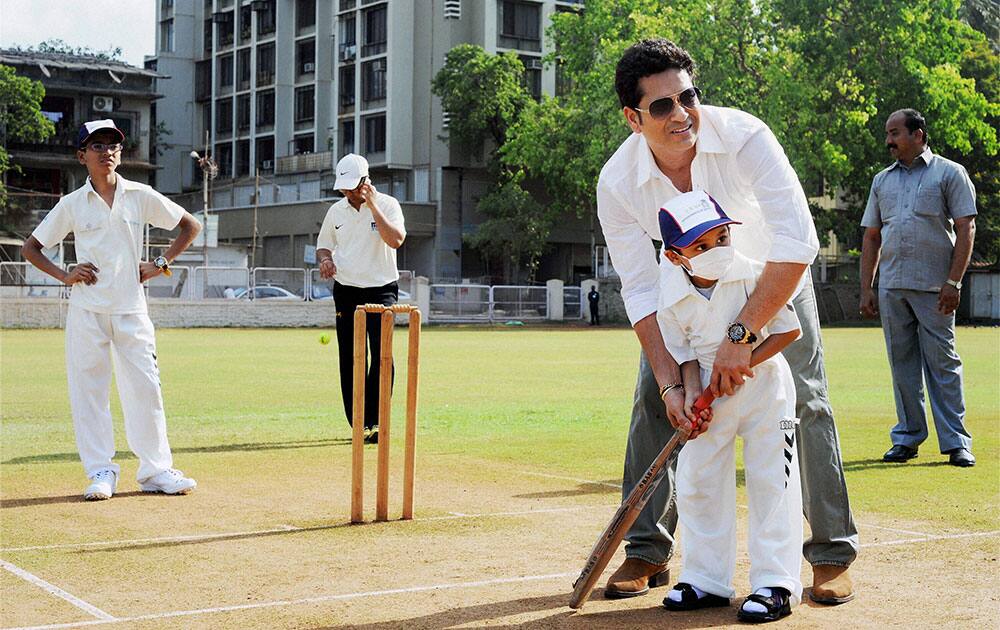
[225, 23]
[532, 79]
[304, 104]
[304, 144]
[167, 36]
[347, 86]
[347, 4]
[266, 19]
[373, 80]
[375, 31]
[375, 134]
[348, 39]
[265, 153]
[246, 30]
[520, 25]
[206, 119]
[243, 69]
[243, 113]
[265, 65]
[305, 14]
[242, 158]
[224, 158]
[224, 116]
[265, 108]
[203, 80]
[207, 36]
[305, 57]
[346, 137]
[226, 71]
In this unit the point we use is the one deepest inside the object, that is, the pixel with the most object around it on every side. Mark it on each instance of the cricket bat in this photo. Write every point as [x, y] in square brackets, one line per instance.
[607, 544]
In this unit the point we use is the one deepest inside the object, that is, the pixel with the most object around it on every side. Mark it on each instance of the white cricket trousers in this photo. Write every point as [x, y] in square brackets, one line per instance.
[762, 412]
[91, 341]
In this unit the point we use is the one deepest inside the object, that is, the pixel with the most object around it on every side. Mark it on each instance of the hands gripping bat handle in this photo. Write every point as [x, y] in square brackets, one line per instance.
[607, 544]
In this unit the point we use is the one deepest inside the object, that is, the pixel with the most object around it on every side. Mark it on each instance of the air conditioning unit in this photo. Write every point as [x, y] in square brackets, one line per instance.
[308, 67]
[102, 104]
[348, 52]
[267, 164]
[533, 64]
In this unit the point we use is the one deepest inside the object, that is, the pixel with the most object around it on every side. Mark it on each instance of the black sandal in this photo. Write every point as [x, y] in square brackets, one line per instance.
[690, 599]
[778, 605]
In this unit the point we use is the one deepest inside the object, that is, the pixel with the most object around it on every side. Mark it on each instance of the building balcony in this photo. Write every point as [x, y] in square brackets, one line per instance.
[304, 163]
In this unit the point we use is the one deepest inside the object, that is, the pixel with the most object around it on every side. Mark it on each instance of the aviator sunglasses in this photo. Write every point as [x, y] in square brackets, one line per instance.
[662, 107]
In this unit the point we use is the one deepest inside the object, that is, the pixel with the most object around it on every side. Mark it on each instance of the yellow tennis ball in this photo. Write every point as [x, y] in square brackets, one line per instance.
[324, 339]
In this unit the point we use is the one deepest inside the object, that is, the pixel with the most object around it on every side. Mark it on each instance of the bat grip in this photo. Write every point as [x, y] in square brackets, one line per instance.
[704, 401]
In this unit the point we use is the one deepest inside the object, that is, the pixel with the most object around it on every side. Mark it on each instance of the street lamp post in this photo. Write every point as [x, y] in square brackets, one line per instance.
[209, 170]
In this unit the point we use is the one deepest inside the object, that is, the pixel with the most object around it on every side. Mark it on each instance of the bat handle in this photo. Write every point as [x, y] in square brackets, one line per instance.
[704, 401]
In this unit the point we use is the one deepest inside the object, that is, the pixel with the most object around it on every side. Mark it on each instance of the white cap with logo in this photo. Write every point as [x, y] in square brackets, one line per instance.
[350, 169]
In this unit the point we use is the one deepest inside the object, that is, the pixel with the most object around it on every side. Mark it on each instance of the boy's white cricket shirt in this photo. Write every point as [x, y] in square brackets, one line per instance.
[109, 238]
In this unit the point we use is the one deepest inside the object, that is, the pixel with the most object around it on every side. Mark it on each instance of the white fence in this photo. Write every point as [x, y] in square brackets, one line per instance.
[273, 285]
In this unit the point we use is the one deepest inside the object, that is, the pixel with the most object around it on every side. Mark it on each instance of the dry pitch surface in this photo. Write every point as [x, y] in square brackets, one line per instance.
[491, 546]
[264, 543]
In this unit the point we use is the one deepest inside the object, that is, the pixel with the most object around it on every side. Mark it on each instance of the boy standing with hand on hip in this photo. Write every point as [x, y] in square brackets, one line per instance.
[107, 312]
[693, 314]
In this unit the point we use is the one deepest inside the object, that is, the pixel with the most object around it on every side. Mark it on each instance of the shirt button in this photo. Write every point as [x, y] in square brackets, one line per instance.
[687, 329]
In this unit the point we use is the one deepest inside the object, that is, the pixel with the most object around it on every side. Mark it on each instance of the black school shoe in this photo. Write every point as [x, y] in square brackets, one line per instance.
[691, 601]
[899, 453]
[778, 605]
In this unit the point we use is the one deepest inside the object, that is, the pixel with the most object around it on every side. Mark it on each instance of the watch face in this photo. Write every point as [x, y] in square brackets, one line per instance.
[737, 332]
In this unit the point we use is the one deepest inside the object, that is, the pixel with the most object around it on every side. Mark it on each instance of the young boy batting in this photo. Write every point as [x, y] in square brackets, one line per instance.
[107, 312]
[704, 285]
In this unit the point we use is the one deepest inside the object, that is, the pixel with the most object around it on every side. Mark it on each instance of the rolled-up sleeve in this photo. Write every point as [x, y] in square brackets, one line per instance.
[632, 254]
[961, 193]
[764, 166]
[872, 218]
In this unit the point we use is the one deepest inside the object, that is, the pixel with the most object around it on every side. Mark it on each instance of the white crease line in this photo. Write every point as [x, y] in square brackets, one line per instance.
[307, 600]
[280, 529]
[896, 529]
[52, 589]
[616, 486]
[927, 538]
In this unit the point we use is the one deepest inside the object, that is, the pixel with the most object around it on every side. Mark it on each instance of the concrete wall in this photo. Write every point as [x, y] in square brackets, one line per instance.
[169, 313]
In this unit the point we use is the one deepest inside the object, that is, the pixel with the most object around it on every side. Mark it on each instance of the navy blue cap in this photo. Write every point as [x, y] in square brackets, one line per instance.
[686, 217]
[88, 129]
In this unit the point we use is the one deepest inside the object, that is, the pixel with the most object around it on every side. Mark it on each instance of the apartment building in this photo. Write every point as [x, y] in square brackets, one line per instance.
[281, 89]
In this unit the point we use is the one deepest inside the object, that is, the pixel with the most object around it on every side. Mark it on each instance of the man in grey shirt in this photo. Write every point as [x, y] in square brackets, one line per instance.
[919, 229]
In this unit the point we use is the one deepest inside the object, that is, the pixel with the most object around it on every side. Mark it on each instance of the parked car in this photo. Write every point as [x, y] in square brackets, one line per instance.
[266, 292]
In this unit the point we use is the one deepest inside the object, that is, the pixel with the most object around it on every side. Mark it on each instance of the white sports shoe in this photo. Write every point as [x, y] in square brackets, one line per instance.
[170, 481]
[102, 486]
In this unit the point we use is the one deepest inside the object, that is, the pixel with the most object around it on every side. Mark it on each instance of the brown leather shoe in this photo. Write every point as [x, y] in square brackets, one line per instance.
[635, 577]
[831, 585]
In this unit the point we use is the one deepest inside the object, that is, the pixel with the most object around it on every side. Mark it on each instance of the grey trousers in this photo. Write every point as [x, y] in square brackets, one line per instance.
[920, 339]
[834, 538]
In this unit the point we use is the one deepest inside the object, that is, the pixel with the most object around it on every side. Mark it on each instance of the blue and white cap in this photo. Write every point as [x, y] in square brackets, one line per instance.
[686, 217]
[88, 129]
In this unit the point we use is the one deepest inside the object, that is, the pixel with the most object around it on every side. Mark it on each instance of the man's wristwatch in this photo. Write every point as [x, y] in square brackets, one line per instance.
[957, 285]
[162, 264]
[738, 333]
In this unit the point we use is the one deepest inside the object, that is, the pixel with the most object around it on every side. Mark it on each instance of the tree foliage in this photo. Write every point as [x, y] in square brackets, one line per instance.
[21, 120]
[485, 97]
[823, 74]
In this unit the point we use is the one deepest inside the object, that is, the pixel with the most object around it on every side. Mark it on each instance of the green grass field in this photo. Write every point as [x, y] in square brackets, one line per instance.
[552, 399]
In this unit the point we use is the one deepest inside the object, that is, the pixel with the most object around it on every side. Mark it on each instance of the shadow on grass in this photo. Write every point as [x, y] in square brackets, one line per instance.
[553, 612]
[869, 464]
[68, 498]
[49, 458]
[611, 486]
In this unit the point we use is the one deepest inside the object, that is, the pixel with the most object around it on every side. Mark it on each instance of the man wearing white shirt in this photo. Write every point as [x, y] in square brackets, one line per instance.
[107, 312]
[679, 145]
[357, 247]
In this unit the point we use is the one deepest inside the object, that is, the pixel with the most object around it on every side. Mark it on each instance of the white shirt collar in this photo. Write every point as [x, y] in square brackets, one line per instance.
[708, 141]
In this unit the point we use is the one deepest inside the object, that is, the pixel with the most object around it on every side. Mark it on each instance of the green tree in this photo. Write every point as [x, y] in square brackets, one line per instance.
[21, 120]
[484, 95]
